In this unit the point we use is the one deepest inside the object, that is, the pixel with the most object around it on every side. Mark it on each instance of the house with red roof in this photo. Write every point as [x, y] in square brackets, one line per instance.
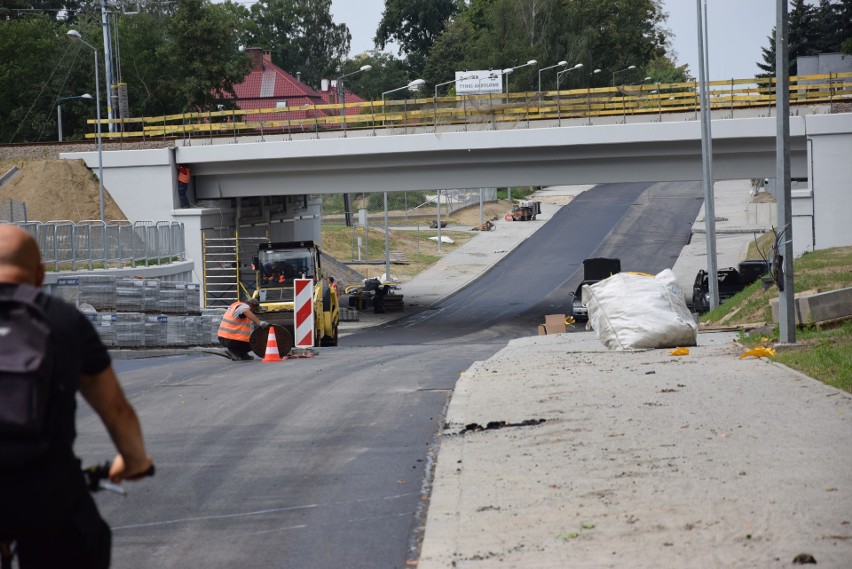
[267, 86]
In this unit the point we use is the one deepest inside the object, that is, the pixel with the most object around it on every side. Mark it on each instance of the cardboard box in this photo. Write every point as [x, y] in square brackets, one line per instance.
[553, 324]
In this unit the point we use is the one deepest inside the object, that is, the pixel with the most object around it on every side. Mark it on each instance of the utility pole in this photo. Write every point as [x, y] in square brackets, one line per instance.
[108, 62]
[786, 298]
[707, 165]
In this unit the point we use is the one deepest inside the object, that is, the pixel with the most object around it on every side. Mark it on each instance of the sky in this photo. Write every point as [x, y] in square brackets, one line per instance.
[737, 31]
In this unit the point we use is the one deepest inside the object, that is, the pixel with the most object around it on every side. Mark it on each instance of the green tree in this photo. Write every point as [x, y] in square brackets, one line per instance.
[450, 52]
[203, 52]
[812, 30]
[414, 25]
[664, 70]
[606, 34]
[388, 72]
[34, 60]
[301, 35]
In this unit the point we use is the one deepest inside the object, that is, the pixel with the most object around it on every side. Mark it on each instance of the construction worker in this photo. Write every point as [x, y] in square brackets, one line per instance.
[333, 286]
[235, 330]
[183, 184]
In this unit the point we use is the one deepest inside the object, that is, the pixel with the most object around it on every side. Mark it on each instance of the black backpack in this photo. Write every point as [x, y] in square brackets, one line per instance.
[26, 370]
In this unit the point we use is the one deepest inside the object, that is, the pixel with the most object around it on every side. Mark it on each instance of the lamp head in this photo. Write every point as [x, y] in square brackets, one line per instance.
[74, 35]
[85, 96]
[416, 84]
[632, 67]
[508, 70]
[646, 79]
[532, 62]
[365, 68]
[578, 66]
[596, 71]
[562, 63]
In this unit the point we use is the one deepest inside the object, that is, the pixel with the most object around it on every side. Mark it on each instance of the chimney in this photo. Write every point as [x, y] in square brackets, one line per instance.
[257, 55]
[267, 56]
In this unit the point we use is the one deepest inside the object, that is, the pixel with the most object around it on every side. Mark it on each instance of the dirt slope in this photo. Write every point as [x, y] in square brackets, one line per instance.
[57, 189]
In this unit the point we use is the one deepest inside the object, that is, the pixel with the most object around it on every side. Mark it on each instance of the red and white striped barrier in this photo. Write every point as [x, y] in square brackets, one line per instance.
[303, 313]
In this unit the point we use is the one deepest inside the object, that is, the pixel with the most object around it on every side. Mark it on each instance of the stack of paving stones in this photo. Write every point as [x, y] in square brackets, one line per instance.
[134, 313]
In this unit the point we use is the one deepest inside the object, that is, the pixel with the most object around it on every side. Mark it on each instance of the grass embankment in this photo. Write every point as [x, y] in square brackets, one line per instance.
[412, 250]
[822, 353]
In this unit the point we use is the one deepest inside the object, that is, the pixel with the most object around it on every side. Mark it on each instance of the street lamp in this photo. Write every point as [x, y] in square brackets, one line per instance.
[560, 64]
[75, 35]
[509, 70]
[59, 102]
[341, 99]
[558, 78]
[341, 91]
[412, 86]
[435, 100]
[589, 95]
[621, 71]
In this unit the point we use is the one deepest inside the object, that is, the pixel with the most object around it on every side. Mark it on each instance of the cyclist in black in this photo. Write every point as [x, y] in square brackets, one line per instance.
[44, 504]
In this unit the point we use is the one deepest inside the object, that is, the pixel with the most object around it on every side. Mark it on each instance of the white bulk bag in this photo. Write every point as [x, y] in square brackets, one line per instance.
[631, 311]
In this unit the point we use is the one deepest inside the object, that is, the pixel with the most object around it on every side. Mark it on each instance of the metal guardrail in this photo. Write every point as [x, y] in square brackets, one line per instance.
[93, 244]
[13, 211]
[651, 99]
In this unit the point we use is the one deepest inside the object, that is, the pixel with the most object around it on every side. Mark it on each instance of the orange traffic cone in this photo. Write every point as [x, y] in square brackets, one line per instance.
[271, 354]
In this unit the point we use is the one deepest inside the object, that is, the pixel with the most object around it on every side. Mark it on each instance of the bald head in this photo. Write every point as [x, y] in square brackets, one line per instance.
[20, 260]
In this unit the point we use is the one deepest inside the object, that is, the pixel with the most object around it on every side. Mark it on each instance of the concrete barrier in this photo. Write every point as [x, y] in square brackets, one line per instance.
[819, 307]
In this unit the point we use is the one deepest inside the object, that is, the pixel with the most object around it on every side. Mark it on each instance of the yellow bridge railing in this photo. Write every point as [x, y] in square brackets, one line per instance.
[645, 99]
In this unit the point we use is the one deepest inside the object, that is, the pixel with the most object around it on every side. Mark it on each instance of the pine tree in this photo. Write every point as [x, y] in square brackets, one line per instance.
[813, 30]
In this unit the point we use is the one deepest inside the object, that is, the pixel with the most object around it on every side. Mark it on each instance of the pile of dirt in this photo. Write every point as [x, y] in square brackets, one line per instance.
[57, 189]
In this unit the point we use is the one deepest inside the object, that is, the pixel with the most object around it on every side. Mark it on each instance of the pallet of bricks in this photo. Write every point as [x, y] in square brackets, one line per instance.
[137, 313]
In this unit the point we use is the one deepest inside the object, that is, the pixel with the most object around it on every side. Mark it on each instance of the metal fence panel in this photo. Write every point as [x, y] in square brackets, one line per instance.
[68, 245]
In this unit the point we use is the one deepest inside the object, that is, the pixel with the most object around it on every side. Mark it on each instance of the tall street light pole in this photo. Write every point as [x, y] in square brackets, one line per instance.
[75, 35]
[435, 100]
[341, 91]
[620, 71]
[589, 95]
[509, 70]
[59, 102]
[560, 64]
[558, 79]
[707, 164]
[784, 248]
[412, 86]
[341, 100]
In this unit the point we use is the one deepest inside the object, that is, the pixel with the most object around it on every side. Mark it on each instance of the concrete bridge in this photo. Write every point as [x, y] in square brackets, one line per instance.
[269, 185]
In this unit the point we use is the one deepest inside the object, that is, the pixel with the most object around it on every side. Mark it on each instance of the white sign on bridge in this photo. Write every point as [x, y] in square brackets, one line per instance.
[479, 82]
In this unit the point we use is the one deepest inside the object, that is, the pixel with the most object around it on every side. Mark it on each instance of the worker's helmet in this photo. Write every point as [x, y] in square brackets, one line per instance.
[253, 303]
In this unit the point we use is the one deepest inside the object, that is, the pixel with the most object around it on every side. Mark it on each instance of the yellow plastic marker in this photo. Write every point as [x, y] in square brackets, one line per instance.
[680, 352]
[759, 352]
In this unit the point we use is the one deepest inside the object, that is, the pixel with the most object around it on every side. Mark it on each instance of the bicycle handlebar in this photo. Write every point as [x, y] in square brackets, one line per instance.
[97, 478]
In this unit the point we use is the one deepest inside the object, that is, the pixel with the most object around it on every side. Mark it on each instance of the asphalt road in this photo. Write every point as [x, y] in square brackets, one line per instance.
[325, 462]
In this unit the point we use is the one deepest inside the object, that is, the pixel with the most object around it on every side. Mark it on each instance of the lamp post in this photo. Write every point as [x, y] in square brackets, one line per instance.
[341, 91]
[75, 35]
[59, 102]
[435, 100]
[341, 99]
[558, 79]
[630, 68]
[589, 95]
[509, 70]
[560, 64]
[412, 86]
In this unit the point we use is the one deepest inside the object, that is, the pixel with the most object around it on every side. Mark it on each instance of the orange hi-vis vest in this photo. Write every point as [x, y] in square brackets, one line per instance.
[183, 174]
[234, 327]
